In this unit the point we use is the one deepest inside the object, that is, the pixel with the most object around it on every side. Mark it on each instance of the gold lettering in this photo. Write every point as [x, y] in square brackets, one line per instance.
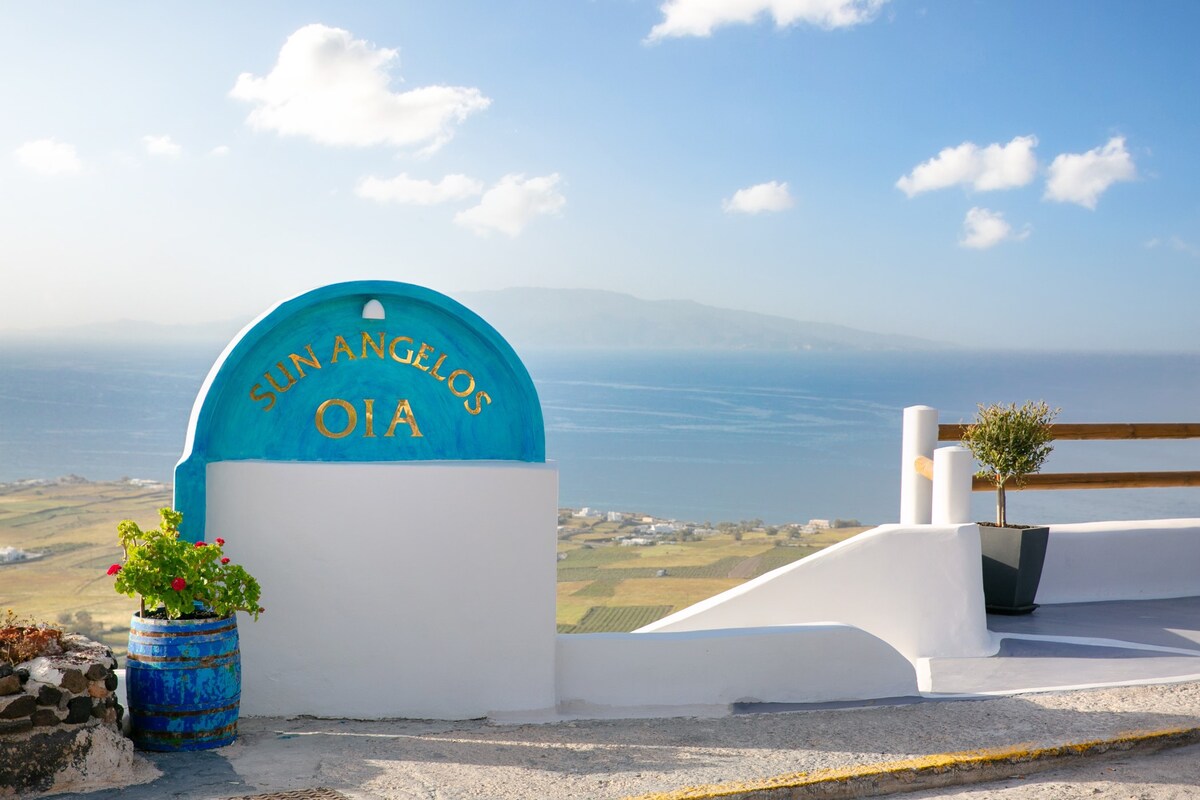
[479, 398]
[368, 339]
[424, 351]
[470, 383]
[351, 417]
[404, 413]
[311, 361]
[434, 370]
[392, 350]
[340, 346]
[369, 417]
[268, 396]
[290, 379]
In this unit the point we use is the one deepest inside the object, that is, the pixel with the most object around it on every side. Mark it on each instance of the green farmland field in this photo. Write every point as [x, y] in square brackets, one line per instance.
[606, 587]
[75, 526]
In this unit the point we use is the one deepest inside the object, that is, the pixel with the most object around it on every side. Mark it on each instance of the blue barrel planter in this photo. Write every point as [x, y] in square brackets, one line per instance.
[183, 683]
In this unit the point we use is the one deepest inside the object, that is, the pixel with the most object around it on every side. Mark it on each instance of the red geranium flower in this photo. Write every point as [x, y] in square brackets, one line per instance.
[201, 544]
[114, 569]
[179, 584]
[220, 541]
[225, 560]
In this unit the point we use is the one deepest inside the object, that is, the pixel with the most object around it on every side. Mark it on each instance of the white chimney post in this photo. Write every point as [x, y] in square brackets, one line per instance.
[953, 468]
[919, 439]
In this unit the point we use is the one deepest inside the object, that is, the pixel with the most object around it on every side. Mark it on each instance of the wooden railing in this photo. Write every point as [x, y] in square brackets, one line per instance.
[1098, 431]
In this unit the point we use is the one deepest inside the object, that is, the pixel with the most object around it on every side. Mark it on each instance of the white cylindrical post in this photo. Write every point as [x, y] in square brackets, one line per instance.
[919, 439]
[952, 471]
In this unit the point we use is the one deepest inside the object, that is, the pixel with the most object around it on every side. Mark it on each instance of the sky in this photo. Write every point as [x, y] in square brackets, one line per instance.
[995, 173]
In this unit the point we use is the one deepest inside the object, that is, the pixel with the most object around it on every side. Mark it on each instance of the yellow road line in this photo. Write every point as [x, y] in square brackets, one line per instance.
[942, 769]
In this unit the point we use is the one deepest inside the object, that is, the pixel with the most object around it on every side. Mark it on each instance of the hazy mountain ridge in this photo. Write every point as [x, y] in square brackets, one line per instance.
[558, 319]
[597, 319]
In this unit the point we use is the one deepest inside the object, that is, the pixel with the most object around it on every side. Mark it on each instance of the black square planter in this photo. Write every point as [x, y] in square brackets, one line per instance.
[1012, 567]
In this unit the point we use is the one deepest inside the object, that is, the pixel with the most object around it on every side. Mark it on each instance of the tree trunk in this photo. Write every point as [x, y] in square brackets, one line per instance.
[1001, 517]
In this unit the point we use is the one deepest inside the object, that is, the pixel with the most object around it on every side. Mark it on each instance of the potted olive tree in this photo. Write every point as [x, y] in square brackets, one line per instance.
[1011, 443]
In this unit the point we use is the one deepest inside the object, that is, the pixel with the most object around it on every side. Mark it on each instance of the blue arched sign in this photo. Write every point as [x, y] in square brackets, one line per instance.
[361, 371]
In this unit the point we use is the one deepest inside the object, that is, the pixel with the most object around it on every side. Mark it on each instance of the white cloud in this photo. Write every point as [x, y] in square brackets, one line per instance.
[161, 146]
[219, 151]
[49, 157]
[1176, 243]
[1082, 177]
[403, 189]
[512, 204]
[334, 89]
[772, 196]
[997, 166]
[1180, 246]
[700, 17]
[983, 228]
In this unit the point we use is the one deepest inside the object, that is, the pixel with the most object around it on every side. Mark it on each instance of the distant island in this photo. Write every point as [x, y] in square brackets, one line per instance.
[557, 319]
[602, 320]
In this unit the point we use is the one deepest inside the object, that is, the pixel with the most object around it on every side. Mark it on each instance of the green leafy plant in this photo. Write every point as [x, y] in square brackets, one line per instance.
[173, 575]
[1010, 443]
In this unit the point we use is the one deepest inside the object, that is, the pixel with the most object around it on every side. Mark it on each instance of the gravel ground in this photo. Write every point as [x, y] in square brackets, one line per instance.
[620, 758]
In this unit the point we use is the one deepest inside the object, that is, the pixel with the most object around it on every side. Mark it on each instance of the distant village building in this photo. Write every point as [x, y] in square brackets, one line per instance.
[11, 555]
[587, 513]
[145, 483]
[616, 516]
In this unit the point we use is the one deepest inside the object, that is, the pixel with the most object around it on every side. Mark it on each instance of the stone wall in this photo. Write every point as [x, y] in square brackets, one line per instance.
[60, 722]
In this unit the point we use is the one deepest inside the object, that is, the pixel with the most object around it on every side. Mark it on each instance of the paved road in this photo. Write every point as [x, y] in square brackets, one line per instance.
[1167, 775]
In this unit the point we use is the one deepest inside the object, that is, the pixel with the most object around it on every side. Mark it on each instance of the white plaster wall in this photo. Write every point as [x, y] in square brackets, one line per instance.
[917, 587]
[419, 589]
[1130, 560]
[785, 664]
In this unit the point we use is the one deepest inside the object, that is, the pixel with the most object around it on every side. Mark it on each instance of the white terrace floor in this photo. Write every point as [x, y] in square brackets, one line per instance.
[1078, 645]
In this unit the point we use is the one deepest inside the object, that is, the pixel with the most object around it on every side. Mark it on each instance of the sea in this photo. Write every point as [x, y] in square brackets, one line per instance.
[696, 436]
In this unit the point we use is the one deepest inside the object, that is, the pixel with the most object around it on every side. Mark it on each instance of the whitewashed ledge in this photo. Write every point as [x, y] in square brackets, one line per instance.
[1121, 560]
[916, 587]
[667, 672]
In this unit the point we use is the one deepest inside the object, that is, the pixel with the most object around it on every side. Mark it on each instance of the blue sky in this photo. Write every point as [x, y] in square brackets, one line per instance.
[992, 173]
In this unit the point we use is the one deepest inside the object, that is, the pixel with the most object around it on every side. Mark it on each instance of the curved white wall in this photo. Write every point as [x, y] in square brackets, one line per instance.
[917, 587]
[1130, 560]
[783, 664]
